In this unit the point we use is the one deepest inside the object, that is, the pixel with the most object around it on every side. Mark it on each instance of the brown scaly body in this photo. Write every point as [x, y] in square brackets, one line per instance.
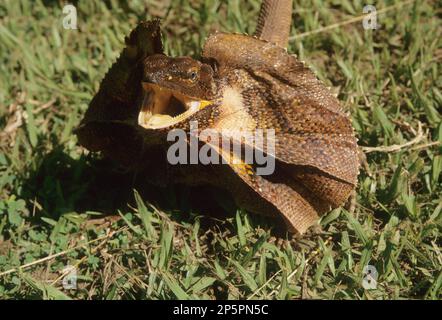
[274, 20]
[248, 83]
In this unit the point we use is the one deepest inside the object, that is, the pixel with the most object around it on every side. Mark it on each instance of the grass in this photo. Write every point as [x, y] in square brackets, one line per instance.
[389, 79]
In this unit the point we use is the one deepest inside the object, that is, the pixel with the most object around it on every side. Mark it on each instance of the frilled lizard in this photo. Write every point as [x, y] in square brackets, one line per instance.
[242, 83]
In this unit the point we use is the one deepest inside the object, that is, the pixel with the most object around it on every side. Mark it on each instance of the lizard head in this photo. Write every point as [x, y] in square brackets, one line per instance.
[173, 90]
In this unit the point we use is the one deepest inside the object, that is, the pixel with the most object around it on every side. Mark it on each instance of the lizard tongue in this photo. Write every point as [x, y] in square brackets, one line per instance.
[156, 121]
[162, 107]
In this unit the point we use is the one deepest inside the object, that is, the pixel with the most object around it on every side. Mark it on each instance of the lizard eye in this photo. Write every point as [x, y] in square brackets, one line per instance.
[193, 75]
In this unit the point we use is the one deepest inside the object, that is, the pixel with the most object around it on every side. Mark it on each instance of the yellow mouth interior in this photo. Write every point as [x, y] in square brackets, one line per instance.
[162, 107]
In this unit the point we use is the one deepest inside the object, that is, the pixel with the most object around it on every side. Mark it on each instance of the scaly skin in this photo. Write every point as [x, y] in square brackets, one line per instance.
[274, 20]
[251, 84]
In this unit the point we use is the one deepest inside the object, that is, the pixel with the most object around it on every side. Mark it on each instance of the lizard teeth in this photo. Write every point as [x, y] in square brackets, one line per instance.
[157, 101]
[194, 105]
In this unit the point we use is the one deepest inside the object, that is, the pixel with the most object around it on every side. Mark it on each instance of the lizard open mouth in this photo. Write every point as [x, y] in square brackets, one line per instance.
[162, 107]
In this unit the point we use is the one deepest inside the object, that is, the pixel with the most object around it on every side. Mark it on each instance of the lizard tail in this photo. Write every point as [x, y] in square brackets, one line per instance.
[274, 21]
